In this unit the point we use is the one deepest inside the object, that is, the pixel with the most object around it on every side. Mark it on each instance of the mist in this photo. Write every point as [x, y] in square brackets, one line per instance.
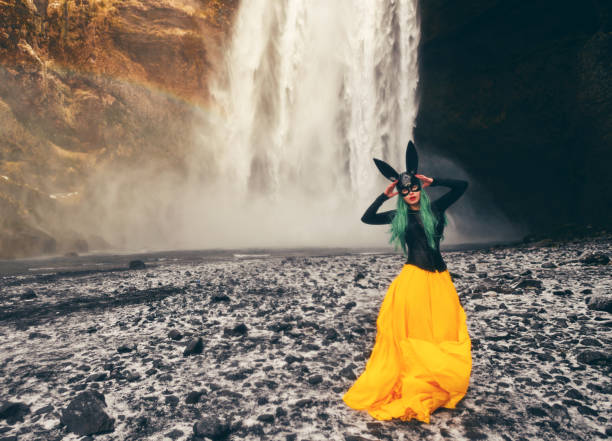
[307, 95]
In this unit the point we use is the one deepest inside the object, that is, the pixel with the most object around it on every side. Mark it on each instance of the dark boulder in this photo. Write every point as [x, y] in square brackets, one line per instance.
[600, 303]
[211, 427]
[593, 357]
[137, 265]
[596, 259]
[28, 295]
[195, 346]
[13, 412]
[175, 335]
[193, 397]
[85, 415]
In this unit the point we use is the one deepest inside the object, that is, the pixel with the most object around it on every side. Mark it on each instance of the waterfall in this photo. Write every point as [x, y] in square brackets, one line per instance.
[310, 92]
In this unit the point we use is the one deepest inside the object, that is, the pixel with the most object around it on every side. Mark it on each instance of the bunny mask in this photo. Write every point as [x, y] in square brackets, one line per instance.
[407, 179]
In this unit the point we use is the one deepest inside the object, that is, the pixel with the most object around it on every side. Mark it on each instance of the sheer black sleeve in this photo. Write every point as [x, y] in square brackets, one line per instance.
[371, 216]
[457, 187]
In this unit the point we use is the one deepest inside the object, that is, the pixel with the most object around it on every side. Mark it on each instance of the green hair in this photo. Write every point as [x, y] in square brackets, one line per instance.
[429, 220]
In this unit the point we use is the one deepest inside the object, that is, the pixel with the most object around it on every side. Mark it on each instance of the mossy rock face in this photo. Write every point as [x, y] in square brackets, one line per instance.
[521, 97]
[85, 86]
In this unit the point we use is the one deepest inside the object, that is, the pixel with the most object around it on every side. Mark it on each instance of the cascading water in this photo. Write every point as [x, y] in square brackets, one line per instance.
[310, 92]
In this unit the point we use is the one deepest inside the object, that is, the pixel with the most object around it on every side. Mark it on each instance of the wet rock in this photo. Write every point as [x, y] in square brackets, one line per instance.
[217, 298]
[44, 410]
[348, 373]
[34, 335]
[123, 349]
[595, 259]
[237, 331]
[171, 400]
[292, 359]
[132, 376]
[175, 335]
[600, 303]
[304, 403]
[350, 305]
[283, 326]
[588, 341]
[315, 379]
[137, 265]
[266, 418]
[28, 295]
[526, 283]
[195, 346]
[331, 335]
[211, 427]
[193, 396]
[13, 412]
[573, 393]
[85, 415]
[99, 376]
[174, 434]
[565, 292]
[537, 411]
[356, 438]
[592, 357]
[585, 410]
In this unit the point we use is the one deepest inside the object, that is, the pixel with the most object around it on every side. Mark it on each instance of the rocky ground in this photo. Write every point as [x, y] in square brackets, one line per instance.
[264, 346]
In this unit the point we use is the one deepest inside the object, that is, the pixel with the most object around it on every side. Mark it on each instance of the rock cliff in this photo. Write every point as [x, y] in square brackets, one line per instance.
[88, 83]
[520, 95]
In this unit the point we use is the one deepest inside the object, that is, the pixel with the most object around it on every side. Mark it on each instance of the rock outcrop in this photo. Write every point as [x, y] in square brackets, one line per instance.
[520, 95]
[86, 84]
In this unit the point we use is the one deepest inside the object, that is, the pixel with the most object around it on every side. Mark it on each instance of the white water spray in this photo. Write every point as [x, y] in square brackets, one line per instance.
[310, 93]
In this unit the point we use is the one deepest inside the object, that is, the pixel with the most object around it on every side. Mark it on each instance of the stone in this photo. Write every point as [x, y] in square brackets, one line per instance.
[592, 357]
[36, 334]
[137, 265]
[193, 397]
[175, 335]
[315, 379]
[596, 259]
[124, 349]
[348, 373]
[266, 418]
[526, 283]
[13, 412]
[171, 400]
[239, 330]
[174, 434]
[195, 346]
[600, 303]
[98, 376]
[85, 415]
[217, 298]
[211, 427]
[292, 359]
[28, 294]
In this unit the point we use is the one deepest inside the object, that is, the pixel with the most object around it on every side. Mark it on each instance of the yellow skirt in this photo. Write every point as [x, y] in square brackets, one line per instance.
[422, 357]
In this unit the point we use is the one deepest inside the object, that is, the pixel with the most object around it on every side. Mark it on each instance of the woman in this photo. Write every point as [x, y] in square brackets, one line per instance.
[421, 359]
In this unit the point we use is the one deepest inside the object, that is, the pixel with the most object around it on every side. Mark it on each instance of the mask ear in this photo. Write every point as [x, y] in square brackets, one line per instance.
[412, 159]
[387, 171]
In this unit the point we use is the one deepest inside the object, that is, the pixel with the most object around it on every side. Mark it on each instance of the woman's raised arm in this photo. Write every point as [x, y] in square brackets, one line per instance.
[371, 216]
[457, 187]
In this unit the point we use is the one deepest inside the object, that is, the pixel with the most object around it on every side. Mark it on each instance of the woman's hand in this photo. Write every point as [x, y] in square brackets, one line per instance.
[426, 182]
[389, 190]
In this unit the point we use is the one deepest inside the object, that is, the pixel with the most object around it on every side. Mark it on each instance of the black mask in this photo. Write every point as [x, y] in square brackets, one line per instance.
[406, 180]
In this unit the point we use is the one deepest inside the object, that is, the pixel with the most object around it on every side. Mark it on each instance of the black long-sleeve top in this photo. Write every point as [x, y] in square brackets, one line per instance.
[419, 252]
